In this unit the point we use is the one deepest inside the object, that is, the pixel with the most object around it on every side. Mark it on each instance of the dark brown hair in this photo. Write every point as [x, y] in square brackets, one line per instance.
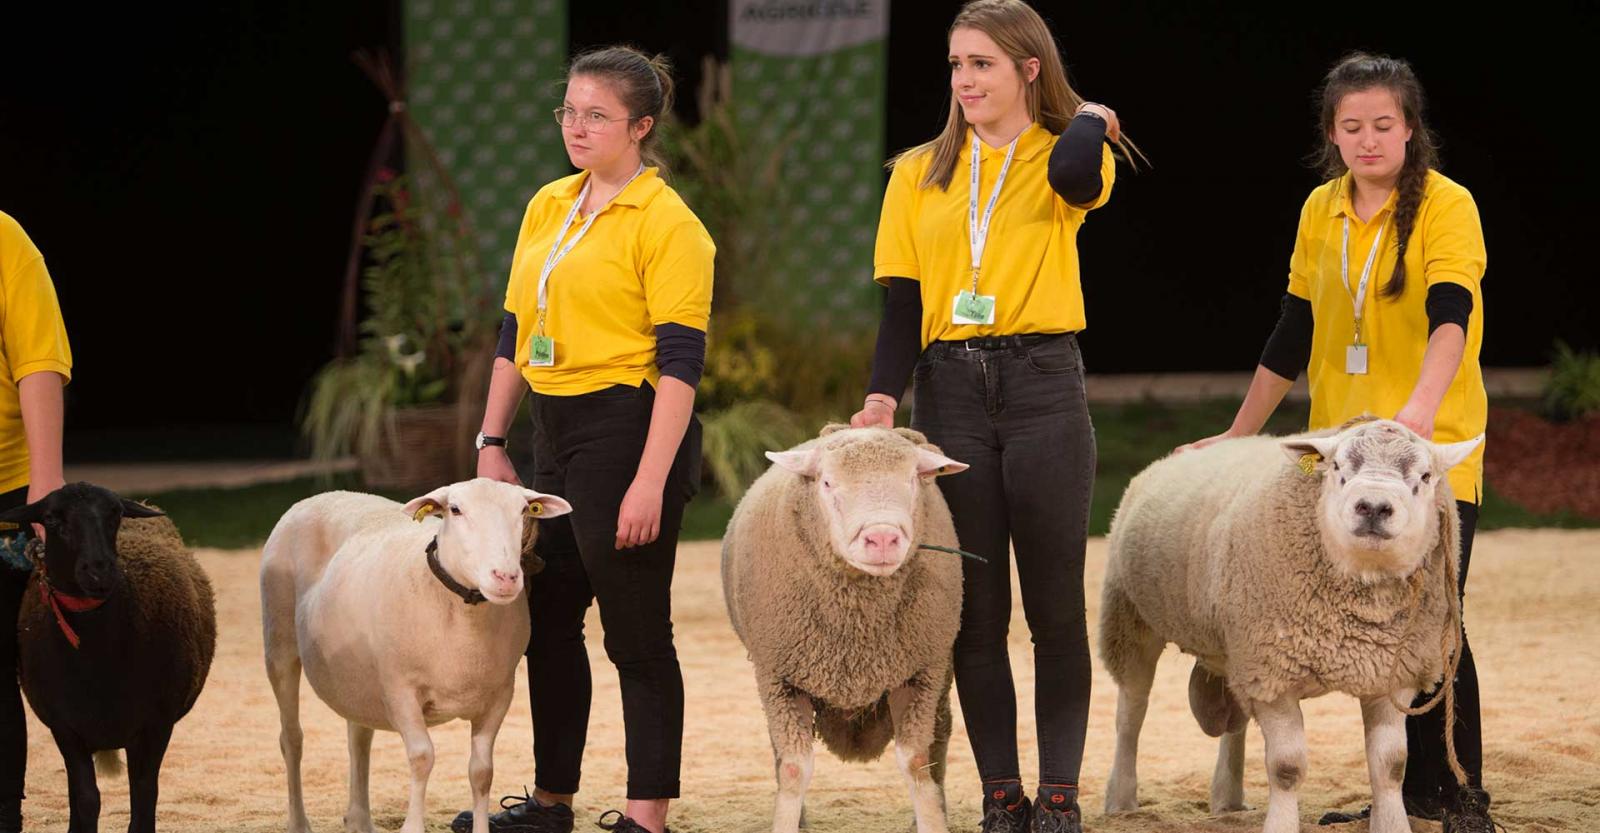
[1355, 73]
[643, 83]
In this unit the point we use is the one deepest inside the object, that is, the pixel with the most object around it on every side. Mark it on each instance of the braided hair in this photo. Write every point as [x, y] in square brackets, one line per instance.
[1357, 72]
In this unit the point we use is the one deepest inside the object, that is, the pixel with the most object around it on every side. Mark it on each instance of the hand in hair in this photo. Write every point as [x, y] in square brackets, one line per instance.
[1105, 114]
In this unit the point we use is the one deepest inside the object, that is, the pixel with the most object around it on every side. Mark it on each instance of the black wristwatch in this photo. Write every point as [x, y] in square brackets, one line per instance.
[485, 439]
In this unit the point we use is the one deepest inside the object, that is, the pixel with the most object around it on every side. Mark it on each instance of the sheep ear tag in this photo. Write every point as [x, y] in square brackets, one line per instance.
[7, 525]
[426, 510]
[541, 351]
[1308, 463]
[534, 510]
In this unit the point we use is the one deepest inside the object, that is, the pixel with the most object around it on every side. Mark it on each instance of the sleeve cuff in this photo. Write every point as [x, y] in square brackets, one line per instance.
[26, 369]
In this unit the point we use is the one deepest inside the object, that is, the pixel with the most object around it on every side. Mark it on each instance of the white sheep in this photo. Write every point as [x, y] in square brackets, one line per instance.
[1289, 568]
[849, 630]
[386, 617]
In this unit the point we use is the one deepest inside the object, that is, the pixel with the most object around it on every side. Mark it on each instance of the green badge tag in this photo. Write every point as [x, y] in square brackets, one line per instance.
[971, 308]
[541, 351]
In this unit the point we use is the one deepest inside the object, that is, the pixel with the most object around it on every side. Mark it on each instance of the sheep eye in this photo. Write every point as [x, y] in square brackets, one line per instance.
[1335, 465]
[1341, 481]
[827, 484]
[454, 509]
[1426, 476]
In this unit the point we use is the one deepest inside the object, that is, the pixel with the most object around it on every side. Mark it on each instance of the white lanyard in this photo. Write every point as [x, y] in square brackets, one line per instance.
[558, 251]
[1358, 295]
[979, 232]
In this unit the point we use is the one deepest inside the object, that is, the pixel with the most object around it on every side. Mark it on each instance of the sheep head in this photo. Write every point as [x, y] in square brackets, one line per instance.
[80, 522]
[481, 538]
[866, 484]
[1378, 511]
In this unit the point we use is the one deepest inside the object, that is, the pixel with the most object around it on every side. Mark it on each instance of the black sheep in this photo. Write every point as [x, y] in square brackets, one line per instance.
[116, 635]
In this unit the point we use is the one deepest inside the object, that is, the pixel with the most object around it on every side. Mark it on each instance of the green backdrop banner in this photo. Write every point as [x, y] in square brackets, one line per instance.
[482, 78]
[808, 77]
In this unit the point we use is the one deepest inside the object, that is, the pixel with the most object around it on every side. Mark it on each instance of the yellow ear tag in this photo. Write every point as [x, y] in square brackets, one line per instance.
[9, 525]
[535, 509]
[424, 512]
[1308, 463]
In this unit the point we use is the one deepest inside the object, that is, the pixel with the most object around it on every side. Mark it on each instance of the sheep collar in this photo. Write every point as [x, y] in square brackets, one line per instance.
[468, 595]
[56, 600]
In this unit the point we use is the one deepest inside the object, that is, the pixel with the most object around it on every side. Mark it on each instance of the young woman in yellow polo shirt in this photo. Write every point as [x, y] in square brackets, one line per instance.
[606, 315]
[35, 362]
[1403, 346]
[977, 245]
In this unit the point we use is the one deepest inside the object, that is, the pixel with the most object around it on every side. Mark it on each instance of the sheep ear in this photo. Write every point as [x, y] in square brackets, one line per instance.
[803, 462]
[1296, 448]
[421, 507]
[1450, 455]
[541, 505]
[19, 516]
[134, 509]
[930, 464]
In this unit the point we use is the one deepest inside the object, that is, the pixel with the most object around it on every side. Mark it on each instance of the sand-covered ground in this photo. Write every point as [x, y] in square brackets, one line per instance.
[1533, 614]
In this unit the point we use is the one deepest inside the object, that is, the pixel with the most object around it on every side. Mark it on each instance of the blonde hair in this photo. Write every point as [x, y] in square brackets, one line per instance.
[1021, 34]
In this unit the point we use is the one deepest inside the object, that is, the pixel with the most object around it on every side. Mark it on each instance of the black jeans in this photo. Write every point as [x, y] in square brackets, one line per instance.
[587, 450]
[1427, 769]
[1016, 414]
[13, 725]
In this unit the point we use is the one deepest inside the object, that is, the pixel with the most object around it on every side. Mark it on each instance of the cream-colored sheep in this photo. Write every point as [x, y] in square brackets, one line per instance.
[399, 626]
[849, 629]
[1285, 585]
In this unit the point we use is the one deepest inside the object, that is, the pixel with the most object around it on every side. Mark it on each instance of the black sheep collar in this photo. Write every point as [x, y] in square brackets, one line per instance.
[468, 595]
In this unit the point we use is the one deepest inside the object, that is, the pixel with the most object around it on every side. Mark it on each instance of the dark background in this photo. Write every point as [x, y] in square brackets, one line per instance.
[191, 174]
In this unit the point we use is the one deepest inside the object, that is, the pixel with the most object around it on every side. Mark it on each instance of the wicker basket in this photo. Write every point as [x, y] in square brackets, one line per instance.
[419, 454]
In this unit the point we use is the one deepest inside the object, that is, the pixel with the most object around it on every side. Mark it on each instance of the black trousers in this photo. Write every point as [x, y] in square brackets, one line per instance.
[1016, 414]
[587, 450]
[1427, 769]
[13, 725]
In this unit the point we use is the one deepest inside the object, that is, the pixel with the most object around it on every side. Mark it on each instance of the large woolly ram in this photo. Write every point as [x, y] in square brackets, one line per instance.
[1285, 582]
[849, 629]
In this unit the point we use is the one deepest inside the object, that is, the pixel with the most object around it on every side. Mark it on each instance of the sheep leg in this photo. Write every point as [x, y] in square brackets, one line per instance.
[144, 770]
[1137, 675]
[480, 768]
[1227, 782]
[405, 715]
[358, 816]
[1386, 759]
[790, 716]
[914, 708]
[83, 793]
[283, 669]
[1284, 730]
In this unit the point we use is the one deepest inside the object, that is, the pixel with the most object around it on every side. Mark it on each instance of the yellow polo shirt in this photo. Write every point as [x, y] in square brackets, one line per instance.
[645, 261]
[1030, 263]
[32, 340]
[1446, 247]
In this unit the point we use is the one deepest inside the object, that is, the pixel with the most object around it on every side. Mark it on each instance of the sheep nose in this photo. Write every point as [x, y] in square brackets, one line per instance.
[1378, 509]
[882, 540]
[506, 578]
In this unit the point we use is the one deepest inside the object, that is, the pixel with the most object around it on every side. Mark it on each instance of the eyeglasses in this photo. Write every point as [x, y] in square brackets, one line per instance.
[592, 121]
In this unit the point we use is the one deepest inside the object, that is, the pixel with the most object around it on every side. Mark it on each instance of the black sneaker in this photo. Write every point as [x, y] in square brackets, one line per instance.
[10, 815]
[1001, 817]
[1056, 811]
[521, 814]
[1469, 813]
[621, 824]
[1427, 809]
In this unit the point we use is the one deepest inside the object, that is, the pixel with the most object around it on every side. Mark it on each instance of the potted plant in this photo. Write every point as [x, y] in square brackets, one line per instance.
[405, 400]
